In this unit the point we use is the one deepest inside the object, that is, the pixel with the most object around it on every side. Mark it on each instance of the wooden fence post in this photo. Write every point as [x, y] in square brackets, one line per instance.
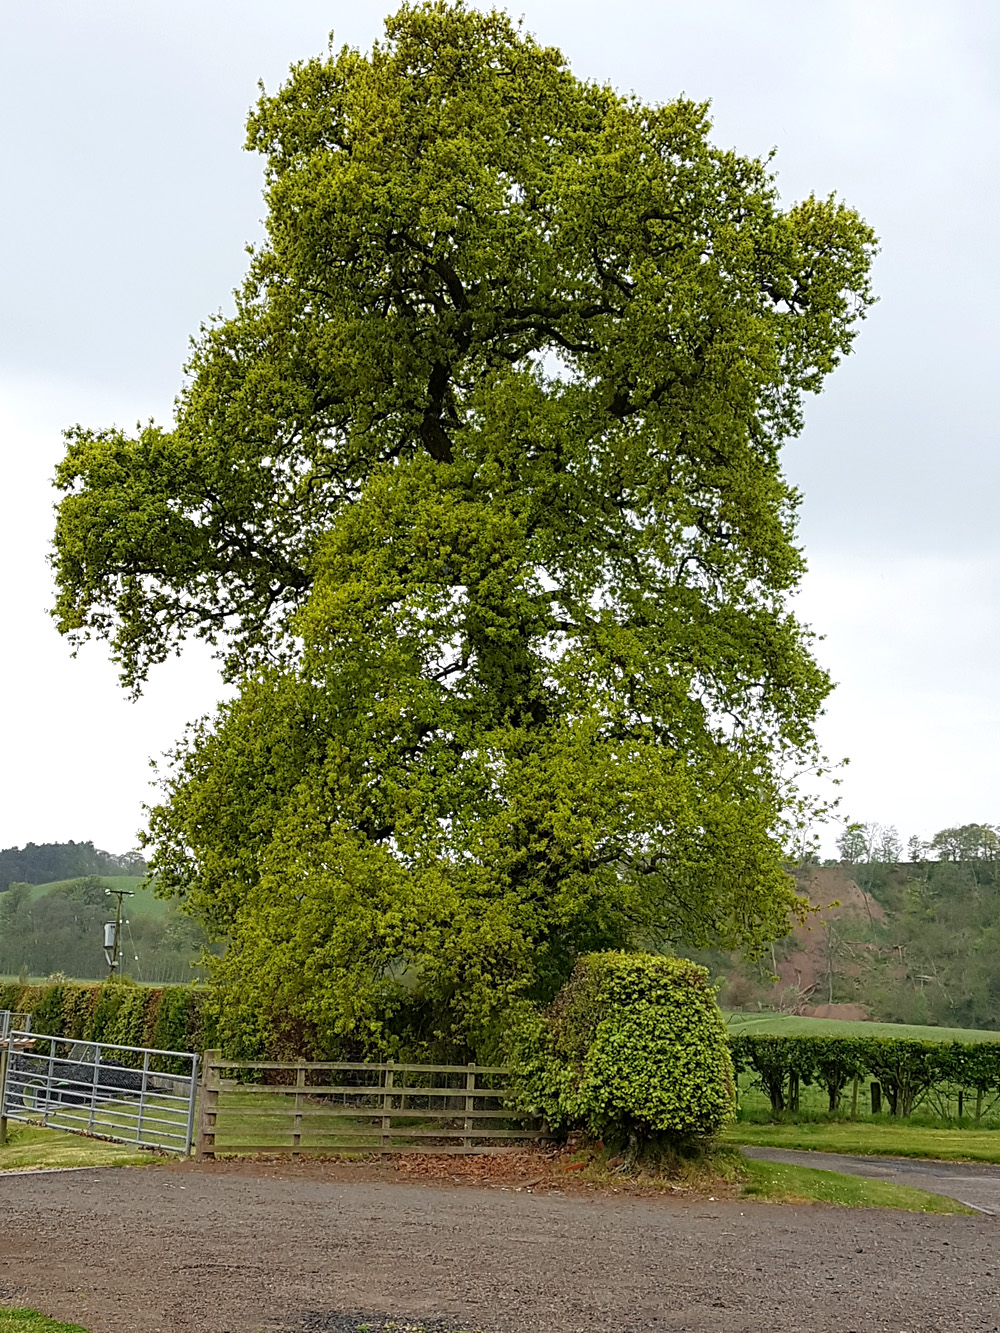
[470, 1102]
[793, 1091]
[387, 1107]
[300, 1083]
[3, 1093]
[209, 1108]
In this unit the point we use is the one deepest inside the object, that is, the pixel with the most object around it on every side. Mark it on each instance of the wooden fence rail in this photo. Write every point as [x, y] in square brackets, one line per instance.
[310, 1108]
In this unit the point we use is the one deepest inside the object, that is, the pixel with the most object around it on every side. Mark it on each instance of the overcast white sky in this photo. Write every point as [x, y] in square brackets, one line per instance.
[127, 205]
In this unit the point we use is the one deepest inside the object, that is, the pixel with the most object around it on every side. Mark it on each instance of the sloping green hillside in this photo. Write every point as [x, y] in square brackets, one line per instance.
[144, 903]
[794, 1025]
[58, 927]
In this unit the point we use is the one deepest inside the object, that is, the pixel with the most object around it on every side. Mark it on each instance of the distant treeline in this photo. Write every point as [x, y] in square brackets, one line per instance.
[905, 1071]
[49, 861]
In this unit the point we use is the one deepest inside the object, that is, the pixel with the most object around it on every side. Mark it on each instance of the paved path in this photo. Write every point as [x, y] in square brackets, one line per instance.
[220, 1250]
[972, 1183]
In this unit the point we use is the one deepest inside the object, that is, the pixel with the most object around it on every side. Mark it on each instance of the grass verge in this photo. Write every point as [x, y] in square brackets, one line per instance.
[866, 1139]
[780, 1182]
[31, 1148]
[723, 1173]
[30, 1321]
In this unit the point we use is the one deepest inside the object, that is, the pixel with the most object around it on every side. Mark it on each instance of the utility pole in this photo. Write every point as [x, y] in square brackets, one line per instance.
[113, 932]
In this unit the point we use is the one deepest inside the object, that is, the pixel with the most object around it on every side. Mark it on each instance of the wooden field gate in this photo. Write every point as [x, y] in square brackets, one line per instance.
[314, 1108]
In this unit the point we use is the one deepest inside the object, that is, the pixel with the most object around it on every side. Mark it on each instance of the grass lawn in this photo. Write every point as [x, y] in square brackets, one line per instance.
[781, 1183]
[870, 1139]
[31, 1148]
[30, 1321]
[164, 1126]
[724, 1173]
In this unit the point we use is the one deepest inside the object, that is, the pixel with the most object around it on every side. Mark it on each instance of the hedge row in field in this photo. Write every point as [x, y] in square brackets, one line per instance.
[169, 1018]
[905, 1069]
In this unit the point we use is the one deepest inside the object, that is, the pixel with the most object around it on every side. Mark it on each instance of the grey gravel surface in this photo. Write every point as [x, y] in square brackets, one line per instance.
[167, 1250]
[973, 1183]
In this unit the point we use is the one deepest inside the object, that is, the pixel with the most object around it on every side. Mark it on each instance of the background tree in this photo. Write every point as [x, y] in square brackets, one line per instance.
[970, 842]
[854, 843]
[863, 844]
[479, 494]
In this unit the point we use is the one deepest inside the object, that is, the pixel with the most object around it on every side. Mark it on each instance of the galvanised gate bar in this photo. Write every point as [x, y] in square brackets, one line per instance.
[9, 1020]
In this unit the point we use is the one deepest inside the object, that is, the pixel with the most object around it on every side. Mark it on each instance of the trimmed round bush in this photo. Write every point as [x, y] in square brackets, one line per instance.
[633, 1049]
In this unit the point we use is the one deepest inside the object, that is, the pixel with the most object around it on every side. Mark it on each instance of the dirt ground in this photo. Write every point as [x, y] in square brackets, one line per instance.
[222, 1248]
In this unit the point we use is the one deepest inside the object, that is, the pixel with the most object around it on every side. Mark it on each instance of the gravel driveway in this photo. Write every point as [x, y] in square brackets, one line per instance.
[230, 1250]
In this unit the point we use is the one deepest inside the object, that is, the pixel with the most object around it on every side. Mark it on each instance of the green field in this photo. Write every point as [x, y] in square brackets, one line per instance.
[792, 1025]
[779, 1182]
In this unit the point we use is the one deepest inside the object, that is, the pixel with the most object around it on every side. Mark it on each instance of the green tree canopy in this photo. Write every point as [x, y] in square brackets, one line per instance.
[479, 494]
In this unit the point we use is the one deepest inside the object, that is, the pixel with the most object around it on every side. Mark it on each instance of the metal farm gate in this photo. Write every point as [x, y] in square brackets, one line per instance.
[10, 1019]
[127, 1093]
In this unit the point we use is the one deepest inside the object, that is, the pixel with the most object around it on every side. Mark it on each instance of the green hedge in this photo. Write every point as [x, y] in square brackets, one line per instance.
[633, 1049]
[906, 1070]
[633, 1045]
[169, 1018]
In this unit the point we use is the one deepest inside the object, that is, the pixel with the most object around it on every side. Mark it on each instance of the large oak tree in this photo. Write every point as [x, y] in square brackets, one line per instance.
[479, 494]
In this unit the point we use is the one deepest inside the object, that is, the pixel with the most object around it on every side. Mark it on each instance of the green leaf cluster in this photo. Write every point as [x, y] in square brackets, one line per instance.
[633, 1049]
[479, 494]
